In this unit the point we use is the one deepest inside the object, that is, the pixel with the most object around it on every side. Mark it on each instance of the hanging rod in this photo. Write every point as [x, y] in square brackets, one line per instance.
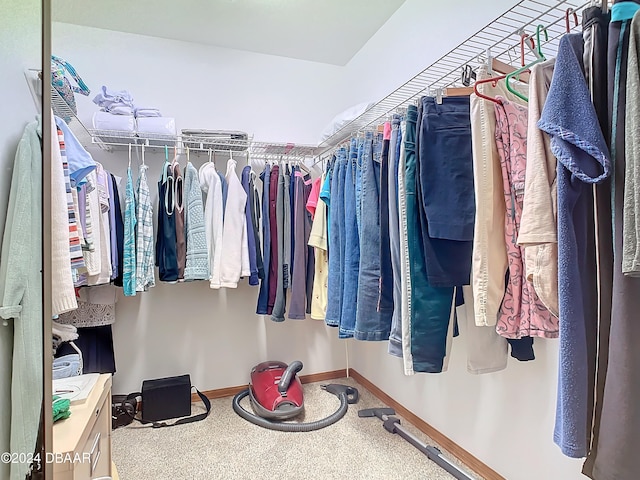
[500, 37]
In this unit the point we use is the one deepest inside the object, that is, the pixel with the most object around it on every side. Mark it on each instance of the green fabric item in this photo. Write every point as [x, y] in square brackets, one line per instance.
[61, 408]
[21, 305]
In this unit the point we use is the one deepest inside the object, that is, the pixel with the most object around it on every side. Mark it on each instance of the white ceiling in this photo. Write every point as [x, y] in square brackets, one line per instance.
[327, 31]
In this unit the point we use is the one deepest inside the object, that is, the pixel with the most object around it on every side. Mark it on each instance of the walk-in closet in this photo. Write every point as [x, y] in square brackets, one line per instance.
[342, 239]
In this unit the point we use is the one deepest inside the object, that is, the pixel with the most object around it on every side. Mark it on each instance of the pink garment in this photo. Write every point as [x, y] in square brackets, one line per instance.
[312, 202]
[522, 313]
[387, 131]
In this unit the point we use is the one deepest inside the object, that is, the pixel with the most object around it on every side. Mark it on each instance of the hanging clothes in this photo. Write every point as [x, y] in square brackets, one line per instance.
[614, 454]
[129, 257]
[278, 232]
[119, 231]
[318, 239]
[430, 307]
[251, 239]
[301, 231]
[582, 161]
[181, 241]
[93, 257]
[538, 232]
[273, 235]
[256, 215]
[21, 303]
[385, 288]
[595, 24]
[197, 259]
[336, 239]
[351, 258]
[235, 258]
[145, 260]
[263, 295]
[521, 314]
[65, 244]
[113, 236]
[166, 244]
[372, 323]
[213, 211]
[75, 247]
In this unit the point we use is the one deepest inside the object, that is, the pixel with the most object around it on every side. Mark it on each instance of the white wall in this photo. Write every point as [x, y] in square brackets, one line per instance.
[20, 49]
[213, 335]
[275, 98]
[505, 419]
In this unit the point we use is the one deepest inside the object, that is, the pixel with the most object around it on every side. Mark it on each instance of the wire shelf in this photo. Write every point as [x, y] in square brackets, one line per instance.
[501, 37]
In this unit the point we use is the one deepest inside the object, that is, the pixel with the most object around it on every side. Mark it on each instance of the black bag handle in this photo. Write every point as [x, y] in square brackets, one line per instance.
[181, 421]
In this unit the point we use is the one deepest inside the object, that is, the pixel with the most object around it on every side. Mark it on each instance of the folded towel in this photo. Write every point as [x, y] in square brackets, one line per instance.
[61, 408]
[109, 121]
[156, 125]
[67, 366]
[119, 109]
[147, 112]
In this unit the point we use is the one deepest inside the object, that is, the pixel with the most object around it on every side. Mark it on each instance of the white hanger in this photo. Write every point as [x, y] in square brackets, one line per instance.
[129, 155]
[143, 154]
[210, 155]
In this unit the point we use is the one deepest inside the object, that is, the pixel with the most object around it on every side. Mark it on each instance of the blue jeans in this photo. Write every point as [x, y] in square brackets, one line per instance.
[370, 323]
[336, 241]
[351, 259]
[444, 171]
[430, 306]
[395, 337]
[360, 153]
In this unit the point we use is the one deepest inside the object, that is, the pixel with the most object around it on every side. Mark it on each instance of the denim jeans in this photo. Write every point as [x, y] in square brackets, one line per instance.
[351, 260]
[370, 323]
[430, 306]
[336, 241]
[360, 153]
[385, 289]
[395, 337]
[444, 172]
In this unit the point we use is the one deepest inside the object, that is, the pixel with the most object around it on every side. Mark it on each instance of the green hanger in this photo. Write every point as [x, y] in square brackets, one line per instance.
[541, 58]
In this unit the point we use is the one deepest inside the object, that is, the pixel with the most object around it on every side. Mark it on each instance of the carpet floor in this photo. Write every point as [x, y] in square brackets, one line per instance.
[224, 446]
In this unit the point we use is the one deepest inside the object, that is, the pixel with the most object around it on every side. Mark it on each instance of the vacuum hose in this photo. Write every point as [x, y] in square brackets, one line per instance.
[345, 393]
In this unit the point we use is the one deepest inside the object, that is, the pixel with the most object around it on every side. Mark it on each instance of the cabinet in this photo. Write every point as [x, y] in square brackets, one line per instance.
[82, 442]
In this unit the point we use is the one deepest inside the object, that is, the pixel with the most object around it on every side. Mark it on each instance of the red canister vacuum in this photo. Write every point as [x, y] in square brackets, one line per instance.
[276, 394]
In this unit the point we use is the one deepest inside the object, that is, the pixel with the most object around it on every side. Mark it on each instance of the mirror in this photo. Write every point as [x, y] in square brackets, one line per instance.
[23, 381]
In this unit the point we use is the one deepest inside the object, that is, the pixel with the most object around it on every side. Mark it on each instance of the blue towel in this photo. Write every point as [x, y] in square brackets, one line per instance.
[570, 119]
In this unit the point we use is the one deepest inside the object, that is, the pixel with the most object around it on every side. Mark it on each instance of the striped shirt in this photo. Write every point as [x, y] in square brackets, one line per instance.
[77, 260]
[145, 255]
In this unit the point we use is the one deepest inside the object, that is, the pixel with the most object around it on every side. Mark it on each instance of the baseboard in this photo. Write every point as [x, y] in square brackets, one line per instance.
[231, 391]
[449, 445]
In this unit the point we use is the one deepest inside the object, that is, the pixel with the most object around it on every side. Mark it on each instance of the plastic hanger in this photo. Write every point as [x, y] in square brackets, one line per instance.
[143, 154]
[541, 58]
[210, 156]
[129, 156]
[575, 18]
[494, 80]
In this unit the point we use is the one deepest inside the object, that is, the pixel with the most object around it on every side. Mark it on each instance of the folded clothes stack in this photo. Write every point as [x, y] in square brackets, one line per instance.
[115, 102]
[119, 113]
